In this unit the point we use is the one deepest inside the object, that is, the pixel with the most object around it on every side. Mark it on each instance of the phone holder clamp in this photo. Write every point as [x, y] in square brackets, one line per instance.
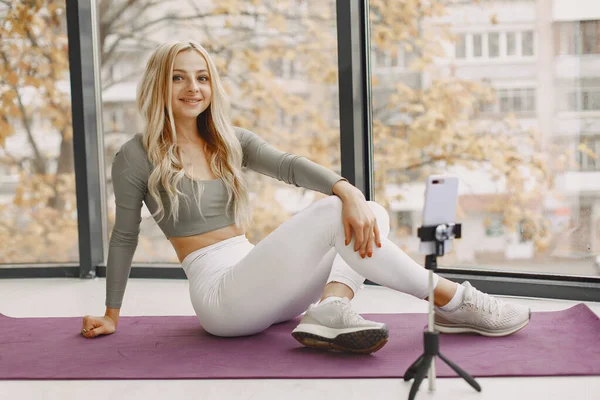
[439, 234]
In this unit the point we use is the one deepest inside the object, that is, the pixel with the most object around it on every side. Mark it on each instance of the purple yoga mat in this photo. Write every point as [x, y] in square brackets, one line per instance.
[554, 343]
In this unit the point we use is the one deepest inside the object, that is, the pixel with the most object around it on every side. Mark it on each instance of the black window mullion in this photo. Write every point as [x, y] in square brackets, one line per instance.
[355, 94]
[88, 174]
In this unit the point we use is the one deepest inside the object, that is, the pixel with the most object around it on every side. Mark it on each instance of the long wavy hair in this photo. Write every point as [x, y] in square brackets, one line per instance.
[214, 124]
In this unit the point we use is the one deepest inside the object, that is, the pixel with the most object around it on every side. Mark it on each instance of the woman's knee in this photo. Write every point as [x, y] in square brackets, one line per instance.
[327, 205]
[332, 205]
[383, 217]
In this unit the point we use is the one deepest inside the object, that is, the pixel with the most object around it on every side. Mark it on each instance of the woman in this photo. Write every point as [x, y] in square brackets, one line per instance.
[187, 168]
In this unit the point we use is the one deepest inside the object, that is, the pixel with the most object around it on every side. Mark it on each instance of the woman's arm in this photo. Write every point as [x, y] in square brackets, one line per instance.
[296, 170]
[358, 218]
[130, 177]
[345, 190]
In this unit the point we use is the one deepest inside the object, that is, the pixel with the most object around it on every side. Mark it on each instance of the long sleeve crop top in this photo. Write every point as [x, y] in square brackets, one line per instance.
[131, 169]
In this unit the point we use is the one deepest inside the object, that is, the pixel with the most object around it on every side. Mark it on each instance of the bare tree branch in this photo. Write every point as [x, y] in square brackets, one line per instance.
[39, 162]
[108, 18]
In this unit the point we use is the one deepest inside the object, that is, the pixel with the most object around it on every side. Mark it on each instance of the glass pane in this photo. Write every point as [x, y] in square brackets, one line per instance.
[505, 100]
[494, 45]
[591, 37]
[278, 62]
[477, 45]
[511, 44]
[461, 46]
[577, 38]
[527, 43]
[517, 101]
[38, 209]
[529, 200]
[529, 100]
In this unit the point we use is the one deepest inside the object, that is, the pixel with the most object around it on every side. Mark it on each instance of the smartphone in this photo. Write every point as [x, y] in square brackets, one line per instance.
[441, 195]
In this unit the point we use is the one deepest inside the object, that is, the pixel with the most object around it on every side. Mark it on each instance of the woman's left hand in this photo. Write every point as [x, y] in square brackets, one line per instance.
[357, 216]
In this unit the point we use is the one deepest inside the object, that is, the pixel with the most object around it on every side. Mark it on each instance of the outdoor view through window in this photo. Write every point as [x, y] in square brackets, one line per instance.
[504, 94]
[38, 210]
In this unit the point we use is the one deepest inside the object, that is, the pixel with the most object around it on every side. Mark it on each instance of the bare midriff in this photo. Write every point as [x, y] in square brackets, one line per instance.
[185, 245]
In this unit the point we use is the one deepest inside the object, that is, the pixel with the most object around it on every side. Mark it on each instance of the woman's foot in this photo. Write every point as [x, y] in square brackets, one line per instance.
[481, 313]
[335, 326]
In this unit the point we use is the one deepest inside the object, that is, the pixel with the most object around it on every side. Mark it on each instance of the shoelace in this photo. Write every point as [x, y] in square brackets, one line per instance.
[485, 302]
[349, 316]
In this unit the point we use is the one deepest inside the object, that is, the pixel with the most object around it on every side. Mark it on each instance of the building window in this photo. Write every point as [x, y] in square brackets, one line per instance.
[588, 153]
[577, 38]
[511, 44]
[477, 45]
[528, 100]
[494, 227]
[404, 220]
[114, 117]
[591, 37]
[461, 46]
[527, 43]
[512, 100]
[582, 99]
[504, 100]
[494, 45]
[379, 58]
[396, 58]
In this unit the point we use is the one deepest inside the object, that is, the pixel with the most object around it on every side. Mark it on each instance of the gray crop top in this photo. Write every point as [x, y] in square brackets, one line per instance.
[131, 169]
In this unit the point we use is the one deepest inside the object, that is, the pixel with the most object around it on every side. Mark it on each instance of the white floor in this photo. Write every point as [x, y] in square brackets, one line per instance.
[74, 297]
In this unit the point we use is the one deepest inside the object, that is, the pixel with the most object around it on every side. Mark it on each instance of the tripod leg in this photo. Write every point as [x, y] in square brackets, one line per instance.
[421, 372]
[412, 370]
[470, 380]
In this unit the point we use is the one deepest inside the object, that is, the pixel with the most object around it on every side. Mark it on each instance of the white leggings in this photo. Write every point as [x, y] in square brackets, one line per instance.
[240, 289]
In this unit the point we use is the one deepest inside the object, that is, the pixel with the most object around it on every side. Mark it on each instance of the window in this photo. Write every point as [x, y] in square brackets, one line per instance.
[494, 227]
[588, 157]
[512, 101]
[461, 46]
[404, 221]
[511, 44]
[577, 38]
[493, 45]
[581, 99]
[407, 58]
[527, 43]
[393, 58]
[379, 58]
[529, 103]
[504, 100]
[477, 45]
[38, 210]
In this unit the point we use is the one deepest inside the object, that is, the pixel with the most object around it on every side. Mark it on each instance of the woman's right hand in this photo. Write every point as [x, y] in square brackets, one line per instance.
[95, 326]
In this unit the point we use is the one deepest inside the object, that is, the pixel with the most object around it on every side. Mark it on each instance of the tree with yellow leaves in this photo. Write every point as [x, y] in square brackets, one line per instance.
[40, 224]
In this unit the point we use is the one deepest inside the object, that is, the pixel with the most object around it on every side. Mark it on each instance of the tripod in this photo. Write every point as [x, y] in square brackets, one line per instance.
[431, 339]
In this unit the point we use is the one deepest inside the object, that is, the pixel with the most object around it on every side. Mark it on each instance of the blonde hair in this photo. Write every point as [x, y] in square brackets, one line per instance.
[160, 136]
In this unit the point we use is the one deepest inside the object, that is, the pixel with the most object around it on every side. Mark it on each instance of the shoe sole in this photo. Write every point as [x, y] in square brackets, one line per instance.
[469, 329]
[365, 341]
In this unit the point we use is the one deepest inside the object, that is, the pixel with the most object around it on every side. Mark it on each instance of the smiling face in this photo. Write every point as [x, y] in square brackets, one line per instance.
[191, 94]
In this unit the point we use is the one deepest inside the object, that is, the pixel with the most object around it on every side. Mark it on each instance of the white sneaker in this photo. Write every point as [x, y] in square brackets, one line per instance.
[484, 314]
[335, 326]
